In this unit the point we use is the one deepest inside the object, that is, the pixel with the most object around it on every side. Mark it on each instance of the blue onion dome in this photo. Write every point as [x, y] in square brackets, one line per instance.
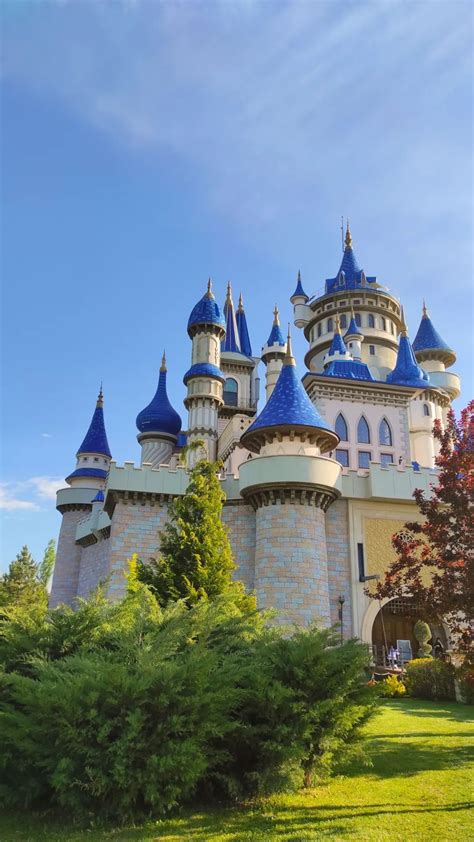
[244, 336]
[407, 372]
[231, 341]
[299, 291]
[289, 411]
[350, 275]
[353, 329]
[206, 312]
[159, 416]
[428, 343]
[95, 440]
[276, 336]
[204, 370]
[337, 344]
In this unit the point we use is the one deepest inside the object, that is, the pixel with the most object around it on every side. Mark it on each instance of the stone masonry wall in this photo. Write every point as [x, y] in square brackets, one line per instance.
[68, 559]
[135, 529]
[240, 520]
[339, 565]
[291, 563]
[94, 567]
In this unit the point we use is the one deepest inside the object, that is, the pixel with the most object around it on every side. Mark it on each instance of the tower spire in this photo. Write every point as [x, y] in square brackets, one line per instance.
[240, 308]
[276, 316]
[209, 293]
[100, 397]
[348, 239]
[424, 310]
[289, 358]
[163, 362]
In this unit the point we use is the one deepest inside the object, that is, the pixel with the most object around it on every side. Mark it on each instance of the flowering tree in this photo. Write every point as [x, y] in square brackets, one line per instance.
[435, 558]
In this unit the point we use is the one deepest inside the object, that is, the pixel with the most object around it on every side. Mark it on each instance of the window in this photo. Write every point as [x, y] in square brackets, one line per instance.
[343, 320]
[363, 432]
[341, 428]
[230, 392]
[385, 433]
[96, 458]
[426, 409]
[84, 458]
[384, 323]
[364, 459]
[342, 457]
[392, 327]
[386, 459]
[372, 350]
[319, 329]
[330, 327]
[371, 321]
[358, 319]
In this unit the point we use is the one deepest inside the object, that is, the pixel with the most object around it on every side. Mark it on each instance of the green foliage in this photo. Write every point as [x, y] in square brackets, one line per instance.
[423, 635]
[391, 688]
[196, 557]
[430, 678]
[21, 584]
[47, 565]
[465, 676]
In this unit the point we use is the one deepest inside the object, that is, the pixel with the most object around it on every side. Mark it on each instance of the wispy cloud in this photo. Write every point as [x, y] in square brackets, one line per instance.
[29, 494]
[10, 502]
[46, 436]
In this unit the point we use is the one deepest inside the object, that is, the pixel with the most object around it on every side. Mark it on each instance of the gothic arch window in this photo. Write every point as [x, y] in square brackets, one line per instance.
[231, 391]
[319, 329]
[371, 322]
[385, 433]
[358, 320]
[341, 427]
[363, 432]
[343, 320]
[426, 409]
[330, 326]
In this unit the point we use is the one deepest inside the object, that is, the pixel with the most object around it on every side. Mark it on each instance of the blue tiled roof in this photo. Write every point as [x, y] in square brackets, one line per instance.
[244, 337]
[428, 338]
[350, 369]
[182, 440]
[276, 336]
[407, 372]
[231, 341]
[288, 406]
[337, 345]
[203, 370]
[99, 497]
[95, 440]
[353, 329]
[206, 312]
[299, 289]
[350, 275]
[88, 472]
[159, 416]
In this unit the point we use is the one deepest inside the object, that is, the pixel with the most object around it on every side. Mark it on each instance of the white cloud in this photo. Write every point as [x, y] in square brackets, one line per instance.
[29, 494]
[46, 436]
[46, 487]
[10, 502]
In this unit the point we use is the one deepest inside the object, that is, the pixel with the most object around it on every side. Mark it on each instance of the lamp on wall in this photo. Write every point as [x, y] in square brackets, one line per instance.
[342, 600]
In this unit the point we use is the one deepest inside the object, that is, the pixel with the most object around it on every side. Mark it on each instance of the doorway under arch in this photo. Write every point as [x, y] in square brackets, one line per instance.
[396, 620]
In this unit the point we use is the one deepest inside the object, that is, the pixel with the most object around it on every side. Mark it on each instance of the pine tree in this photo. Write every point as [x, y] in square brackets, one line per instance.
[196, 557]
[21, 584]
[47, 565]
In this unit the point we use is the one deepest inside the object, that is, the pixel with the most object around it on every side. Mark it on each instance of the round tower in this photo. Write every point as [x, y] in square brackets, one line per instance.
[159, 425]
[354, 337]
[206, 328]
[299, 299]
[85, 487]
[436, 356]
[273, 354]
[290, 484]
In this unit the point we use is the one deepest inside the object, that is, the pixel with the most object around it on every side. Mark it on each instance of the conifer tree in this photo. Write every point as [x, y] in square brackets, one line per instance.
[21, 584]
[47, 565]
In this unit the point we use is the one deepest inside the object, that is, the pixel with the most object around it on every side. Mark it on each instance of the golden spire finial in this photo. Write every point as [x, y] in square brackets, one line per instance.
[276, 316]
[348, 240]
[100, 397]
[289, 358]
[424, 311]
[299, 276]
[163, 362]
[240, 308]
[404, 329]
[229, 292]
[338, 324]
[209, 293]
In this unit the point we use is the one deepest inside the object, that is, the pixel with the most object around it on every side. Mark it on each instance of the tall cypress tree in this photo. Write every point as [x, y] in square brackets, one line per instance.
[21, 584]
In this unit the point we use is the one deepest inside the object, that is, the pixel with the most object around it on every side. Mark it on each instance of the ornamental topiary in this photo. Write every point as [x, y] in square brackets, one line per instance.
[423, 634]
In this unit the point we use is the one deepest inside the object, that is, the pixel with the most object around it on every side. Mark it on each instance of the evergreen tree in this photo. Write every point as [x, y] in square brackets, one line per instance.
[47, 565]
[21, 584]
[196, 557]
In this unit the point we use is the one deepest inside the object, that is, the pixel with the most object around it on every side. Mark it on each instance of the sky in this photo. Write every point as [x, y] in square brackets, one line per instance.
[148, 145]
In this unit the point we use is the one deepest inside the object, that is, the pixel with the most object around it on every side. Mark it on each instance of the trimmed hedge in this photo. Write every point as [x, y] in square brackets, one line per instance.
[430, 678]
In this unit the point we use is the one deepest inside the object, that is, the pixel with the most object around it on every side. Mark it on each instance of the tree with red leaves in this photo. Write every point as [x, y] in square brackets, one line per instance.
[442, 545]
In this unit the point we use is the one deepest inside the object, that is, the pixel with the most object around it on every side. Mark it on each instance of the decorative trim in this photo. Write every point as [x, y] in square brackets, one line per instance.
[290, 494]
[135, 498]
[74, 507]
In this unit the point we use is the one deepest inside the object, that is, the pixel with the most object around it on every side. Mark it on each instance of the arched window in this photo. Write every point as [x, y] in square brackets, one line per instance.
[384, 323]
[230, 392]
[341, 427]
[343, 320]
[358, 320]
[426, 409]
[330, 327]
[385, 433]
[371, 322]
[363, 432]
[319, 329]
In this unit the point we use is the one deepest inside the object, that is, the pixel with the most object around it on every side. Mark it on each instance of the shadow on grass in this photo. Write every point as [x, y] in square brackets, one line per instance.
[453, 711]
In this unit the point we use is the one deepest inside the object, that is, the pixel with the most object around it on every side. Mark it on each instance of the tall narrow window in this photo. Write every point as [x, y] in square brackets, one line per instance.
[364, 458]
[230, 392]
[330, 327]
[341, 427]
[363, 432]
[371, 321]
[426, 409]
[385, 433]
[358, 319]
[384, 323]
[319, 329]
[343, 320]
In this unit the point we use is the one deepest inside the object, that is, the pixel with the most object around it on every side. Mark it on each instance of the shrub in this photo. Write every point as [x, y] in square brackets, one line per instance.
[423, 635]
[391, 687]
[466, 684]
[430, 678]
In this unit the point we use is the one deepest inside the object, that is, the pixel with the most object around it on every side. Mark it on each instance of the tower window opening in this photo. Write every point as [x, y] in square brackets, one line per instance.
[330, 326]
[426, 409]
[363, 432]
[385, 433]
[358, 319]
[386, 459]
[96, 458]
[371, 322]
[319, 329]
[230, 393]
[364, 459]
[84, 458]
[341, 427]
[384, 323]
[343, 320]
[372, 350]
[342, 457]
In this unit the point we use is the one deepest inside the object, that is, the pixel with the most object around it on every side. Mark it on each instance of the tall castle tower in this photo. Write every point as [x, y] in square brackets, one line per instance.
[159, 425]
[86, 482]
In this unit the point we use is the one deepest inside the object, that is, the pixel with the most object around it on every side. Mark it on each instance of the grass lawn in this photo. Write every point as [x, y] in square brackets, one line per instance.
[419, 788]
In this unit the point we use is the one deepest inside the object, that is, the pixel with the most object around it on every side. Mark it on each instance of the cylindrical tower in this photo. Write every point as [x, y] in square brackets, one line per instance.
[206, 328]
[159, 425]
[273, 354]
[290, 485]
[436, 356]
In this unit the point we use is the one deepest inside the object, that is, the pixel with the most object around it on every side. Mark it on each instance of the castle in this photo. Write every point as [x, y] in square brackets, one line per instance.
[316, 482]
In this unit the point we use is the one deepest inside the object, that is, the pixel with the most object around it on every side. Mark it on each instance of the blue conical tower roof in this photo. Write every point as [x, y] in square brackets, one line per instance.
[350, 275]
[244, 337]
[289, 409]
[337, 344]
[206, 311]
[159, 416]
[231, 341]
[95, 440]
[407, 372]
[99, 497]
[353, 329]
[428, 342]
[299, 291]
[276, 336]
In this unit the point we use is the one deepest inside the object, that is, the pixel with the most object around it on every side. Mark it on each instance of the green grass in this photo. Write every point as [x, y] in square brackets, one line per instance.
[417, 789]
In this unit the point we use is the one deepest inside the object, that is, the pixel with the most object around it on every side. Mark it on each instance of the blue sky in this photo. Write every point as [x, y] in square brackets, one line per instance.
[147, 145]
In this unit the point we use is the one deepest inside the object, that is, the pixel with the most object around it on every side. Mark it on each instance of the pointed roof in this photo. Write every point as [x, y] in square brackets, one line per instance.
[337, 344]
[206, 311]
[348, 370]
[299, 291]
[428, 342]
[244, 337]
[289, 409]
[159, 416]
[95, 440]
[99, 497]
[231, 341]
[276, 336]
[353, 329]
[407, 372]
[350, 275]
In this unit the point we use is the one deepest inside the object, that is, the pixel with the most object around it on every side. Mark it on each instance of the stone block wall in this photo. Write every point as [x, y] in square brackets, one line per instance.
[94, 567]
[339, 565]
[240, 521]
[68, 560]
[135, 528]
[291, 563]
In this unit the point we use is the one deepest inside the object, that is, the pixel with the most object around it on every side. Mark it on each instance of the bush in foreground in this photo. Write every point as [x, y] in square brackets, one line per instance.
[430, 678]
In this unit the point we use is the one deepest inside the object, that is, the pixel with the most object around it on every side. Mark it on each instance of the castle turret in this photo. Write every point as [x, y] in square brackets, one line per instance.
[299, 300]
[159, 425]
[290, 485]
[273, 354]
[244, 337]
[354, 338]
[407, 372]
[206, 328]
[74, 503]
[436, 356]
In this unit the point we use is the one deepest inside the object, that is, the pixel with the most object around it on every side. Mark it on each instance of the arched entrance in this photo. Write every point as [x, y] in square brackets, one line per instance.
[395, 621]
